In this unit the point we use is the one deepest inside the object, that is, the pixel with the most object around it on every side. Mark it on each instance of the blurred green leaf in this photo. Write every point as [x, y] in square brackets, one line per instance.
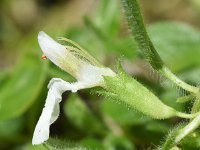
[196, 5]
[15, 127]
[170, 96]
[133, 122]
[191, 76]
[36, 147]
[186, 98]
[122, 115]
[4, 76]
[113, 142]
[56, 144]
[80, 114]
[107, 17]
[157, 126]
[126, 47]
[178, 44]
[191, 142]
[88, 41]
[29, 146]
[171, 93]
[21, 90]
[55, 72]
[91, 143]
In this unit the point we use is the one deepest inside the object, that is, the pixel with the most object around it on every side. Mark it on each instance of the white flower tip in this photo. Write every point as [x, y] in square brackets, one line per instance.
[44, 41]
[41, 33]
[51, 49]
[48, 44]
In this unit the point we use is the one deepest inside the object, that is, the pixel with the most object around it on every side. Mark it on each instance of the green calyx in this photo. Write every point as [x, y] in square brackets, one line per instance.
[130, 92]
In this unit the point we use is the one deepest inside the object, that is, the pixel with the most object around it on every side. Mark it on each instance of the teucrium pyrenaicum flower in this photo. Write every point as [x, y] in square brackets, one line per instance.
[89, 73]
[77, 62]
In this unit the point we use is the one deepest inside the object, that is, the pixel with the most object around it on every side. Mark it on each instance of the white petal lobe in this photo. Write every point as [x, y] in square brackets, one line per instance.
[52, 49]
[51, 109]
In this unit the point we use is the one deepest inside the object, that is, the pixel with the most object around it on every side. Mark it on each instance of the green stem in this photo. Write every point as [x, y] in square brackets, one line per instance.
[179, 133]
[187, 116]
[169, 143]
[186, 98]
[196, 104]
[135, 21]
[194, 124]
[136, 24]
[165, 71]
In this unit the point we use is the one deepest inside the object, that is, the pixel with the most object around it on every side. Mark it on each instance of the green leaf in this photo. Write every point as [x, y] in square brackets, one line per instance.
[178, 44]
[15, 127]
[56, 144]
[186, 98]
[88, 40]
[107, 17]
[19, 93]
[125, 46]
[192, 76]
[196, 5]
[80, 115]
[4, 77]
[29, 146]
[113, 142]
[55, 72]
[92, 143]
[169, 97]
[191, 142]
[121, 114]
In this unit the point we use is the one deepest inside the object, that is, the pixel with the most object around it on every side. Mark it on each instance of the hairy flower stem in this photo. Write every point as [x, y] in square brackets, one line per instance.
[181, 132]
[194, 124]
[136, 24]
[164, 70]
[196, 104]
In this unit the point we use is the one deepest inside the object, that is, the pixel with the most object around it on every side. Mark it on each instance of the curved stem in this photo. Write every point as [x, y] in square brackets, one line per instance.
[187, 116]
[194, 124]
[165, 71]
[137, 26]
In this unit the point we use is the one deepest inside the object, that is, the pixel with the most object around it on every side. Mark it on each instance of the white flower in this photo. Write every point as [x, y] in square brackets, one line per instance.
[78, 63]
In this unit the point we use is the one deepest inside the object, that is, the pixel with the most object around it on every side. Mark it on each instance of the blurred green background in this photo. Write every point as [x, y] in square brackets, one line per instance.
[87, 120]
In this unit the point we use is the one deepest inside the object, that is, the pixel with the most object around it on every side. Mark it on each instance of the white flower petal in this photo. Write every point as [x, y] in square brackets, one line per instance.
[51, 110]
[59, 54]
[52, 49]
[87, 75]
[93, 75]
[47, 117]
